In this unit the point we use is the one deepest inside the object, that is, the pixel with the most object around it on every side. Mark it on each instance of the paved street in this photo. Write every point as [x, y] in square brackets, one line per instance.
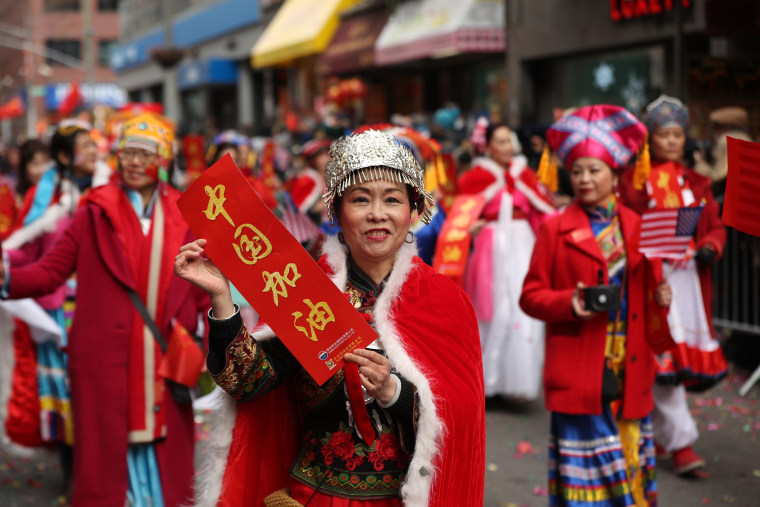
[516, 458]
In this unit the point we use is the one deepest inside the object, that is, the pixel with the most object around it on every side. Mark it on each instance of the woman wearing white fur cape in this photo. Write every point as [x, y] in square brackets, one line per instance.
[417, 437]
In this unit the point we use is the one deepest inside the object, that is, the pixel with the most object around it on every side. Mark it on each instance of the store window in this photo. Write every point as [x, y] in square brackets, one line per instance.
[105, 48]
[627, 78]
[62, 5]
[68, 47]
[108, 5]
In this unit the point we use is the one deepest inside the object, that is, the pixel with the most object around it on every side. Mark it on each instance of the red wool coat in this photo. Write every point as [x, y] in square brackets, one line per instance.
[99, 351]
[566, 252]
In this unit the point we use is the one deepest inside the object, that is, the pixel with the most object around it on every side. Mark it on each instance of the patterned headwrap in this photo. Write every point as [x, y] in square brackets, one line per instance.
[153, 133]
[666, 112]
[372, 156]
[609, 133]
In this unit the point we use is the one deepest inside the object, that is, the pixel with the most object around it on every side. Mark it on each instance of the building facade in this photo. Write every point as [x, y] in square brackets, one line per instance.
[212, 85]
[627, 52]
[50, 44]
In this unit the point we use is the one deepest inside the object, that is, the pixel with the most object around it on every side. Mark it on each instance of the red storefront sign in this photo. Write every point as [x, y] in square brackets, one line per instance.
[629, 9]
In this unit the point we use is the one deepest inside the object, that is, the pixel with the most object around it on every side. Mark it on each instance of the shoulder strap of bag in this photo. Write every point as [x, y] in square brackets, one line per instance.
[140, 307]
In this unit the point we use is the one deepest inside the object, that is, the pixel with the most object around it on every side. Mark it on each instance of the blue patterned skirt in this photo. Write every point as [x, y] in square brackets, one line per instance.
[598, 461]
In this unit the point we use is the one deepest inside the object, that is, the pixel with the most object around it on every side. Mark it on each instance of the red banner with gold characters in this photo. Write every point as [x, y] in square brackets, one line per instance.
[453, 246]
[195, 158]
[306, 311]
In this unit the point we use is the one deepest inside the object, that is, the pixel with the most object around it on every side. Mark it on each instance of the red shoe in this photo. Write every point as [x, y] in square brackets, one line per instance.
[687, 463]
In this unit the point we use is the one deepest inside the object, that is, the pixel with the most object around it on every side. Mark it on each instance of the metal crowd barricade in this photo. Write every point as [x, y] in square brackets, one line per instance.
[736, 289]
[736, 284]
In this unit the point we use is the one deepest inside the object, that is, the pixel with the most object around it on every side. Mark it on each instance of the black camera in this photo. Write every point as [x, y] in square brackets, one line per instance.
[602, 298]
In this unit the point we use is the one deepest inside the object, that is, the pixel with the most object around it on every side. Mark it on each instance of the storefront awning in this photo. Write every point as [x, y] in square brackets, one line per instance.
[353, 46]
[438, 28]
[300, 28]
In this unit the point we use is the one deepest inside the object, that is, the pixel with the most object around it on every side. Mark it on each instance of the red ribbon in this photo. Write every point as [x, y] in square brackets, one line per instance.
[356, 398]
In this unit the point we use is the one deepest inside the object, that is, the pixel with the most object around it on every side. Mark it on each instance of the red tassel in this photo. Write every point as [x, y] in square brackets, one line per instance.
[356, 398]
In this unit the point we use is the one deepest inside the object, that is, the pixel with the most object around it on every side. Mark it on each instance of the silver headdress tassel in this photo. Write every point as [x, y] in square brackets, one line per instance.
[369, 156]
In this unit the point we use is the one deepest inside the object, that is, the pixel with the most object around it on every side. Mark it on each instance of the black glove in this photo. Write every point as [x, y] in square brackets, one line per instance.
[705, 255]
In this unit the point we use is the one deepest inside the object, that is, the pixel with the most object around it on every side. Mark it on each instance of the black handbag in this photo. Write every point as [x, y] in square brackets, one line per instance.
[180, 393]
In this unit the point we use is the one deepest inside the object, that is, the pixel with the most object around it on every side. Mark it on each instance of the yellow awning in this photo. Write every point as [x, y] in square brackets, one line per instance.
[300, 28]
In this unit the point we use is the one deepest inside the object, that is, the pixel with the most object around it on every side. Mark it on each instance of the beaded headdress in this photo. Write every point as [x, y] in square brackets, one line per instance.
[153, 133]
[370, 156]
[665, 112]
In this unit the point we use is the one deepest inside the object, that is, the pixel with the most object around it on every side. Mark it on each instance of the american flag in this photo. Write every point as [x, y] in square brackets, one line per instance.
[665, 234]
[299, 225]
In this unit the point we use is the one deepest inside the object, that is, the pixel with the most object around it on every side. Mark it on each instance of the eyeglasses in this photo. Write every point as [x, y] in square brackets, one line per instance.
[142, 155]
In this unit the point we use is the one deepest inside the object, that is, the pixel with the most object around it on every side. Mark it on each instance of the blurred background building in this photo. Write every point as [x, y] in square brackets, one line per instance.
[706, 52]
[252, 64]
[46, 46]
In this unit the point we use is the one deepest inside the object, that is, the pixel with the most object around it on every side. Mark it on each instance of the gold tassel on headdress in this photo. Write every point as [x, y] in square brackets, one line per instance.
[547, 169]
[643, 166]
[430, 176]
[441, 166]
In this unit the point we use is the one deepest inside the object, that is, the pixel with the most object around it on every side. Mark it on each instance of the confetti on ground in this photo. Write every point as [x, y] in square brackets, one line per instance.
[539, 491]
[756, 473]
[524, 447]
[492, 467]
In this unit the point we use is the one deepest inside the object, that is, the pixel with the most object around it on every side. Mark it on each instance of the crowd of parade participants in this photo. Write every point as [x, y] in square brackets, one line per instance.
[100, 272]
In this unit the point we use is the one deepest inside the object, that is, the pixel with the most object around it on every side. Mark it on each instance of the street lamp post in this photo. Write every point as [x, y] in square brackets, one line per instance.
[168, 57]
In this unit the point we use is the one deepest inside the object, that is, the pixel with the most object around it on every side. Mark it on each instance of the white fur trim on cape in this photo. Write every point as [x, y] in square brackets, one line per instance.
[416, 490]
[518, 165]
[421, 474]
[496, 171]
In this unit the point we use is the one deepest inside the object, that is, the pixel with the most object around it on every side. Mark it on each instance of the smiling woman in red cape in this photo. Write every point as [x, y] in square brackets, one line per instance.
[418, 437]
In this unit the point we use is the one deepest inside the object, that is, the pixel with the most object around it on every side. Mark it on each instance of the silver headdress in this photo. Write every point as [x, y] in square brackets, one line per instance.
[369, 156]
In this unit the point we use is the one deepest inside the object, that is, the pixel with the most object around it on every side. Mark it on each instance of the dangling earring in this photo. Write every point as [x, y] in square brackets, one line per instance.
[408, 239]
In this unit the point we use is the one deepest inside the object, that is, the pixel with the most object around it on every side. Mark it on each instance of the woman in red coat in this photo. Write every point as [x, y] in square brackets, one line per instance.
[600, 448]
[697, 361]
[133, 443]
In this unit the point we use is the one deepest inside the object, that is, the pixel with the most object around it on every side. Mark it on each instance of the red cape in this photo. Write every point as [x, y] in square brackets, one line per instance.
[429, 331]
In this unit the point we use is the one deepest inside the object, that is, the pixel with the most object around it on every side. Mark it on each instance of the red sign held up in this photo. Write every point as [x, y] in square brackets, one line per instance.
[306, 311]
[741, 209]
